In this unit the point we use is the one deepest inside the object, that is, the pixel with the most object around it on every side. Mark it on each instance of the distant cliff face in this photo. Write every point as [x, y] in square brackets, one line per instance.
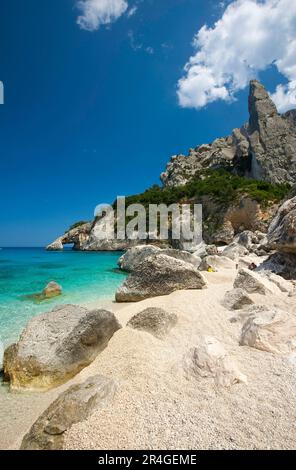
[77, 236]
[291, 117]
[86, 237]
[264, 148]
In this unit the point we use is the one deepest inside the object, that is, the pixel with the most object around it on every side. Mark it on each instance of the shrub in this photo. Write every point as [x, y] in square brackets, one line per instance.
[221, 185]
[77, 224]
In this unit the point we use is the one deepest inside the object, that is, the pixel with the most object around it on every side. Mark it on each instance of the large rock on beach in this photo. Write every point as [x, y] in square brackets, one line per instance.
[252, 282]
[282, 284]
[282, 238]
[236, 299]
[234, 251]
[269, 329]
[155, 321]
[55, 346]
[73, 406]
[247, 238]
[183, 256]
[283, 264]
[134, 256]
[209, 359]
[159, 275]
[282, 231]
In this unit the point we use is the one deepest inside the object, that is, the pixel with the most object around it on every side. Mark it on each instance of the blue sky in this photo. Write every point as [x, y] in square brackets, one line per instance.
[90, 115]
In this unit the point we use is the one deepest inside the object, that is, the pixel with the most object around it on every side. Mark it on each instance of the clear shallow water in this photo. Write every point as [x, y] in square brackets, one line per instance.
[85, 277]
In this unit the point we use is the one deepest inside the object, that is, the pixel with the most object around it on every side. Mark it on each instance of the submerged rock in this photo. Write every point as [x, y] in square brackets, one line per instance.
[52, 290]
[156, 321]
[159, 275]
[55, 346]
[73, 406]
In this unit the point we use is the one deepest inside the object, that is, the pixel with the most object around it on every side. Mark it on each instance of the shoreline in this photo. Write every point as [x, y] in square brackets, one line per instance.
[24, 408]
[26, 272]
[155, 397]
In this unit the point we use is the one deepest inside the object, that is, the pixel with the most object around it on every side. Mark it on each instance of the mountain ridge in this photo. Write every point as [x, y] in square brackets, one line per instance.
[259, 165]
[263, 149]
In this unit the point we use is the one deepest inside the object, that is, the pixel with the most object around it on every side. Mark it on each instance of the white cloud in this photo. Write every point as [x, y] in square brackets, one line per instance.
[137, 46]
[95, 13]
[132, 11]
[285, 96]
[251, 36]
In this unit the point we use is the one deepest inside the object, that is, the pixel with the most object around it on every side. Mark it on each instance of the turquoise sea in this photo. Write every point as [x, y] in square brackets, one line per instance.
[84, 276]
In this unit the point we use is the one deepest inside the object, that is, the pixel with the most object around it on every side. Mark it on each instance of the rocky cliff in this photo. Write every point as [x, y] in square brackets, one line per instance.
[85, 238]
[77, 236]
[264, 148]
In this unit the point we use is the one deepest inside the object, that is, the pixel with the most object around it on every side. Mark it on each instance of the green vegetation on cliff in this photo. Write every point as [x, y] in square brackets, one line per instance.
[77, 224]
[221, 185]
